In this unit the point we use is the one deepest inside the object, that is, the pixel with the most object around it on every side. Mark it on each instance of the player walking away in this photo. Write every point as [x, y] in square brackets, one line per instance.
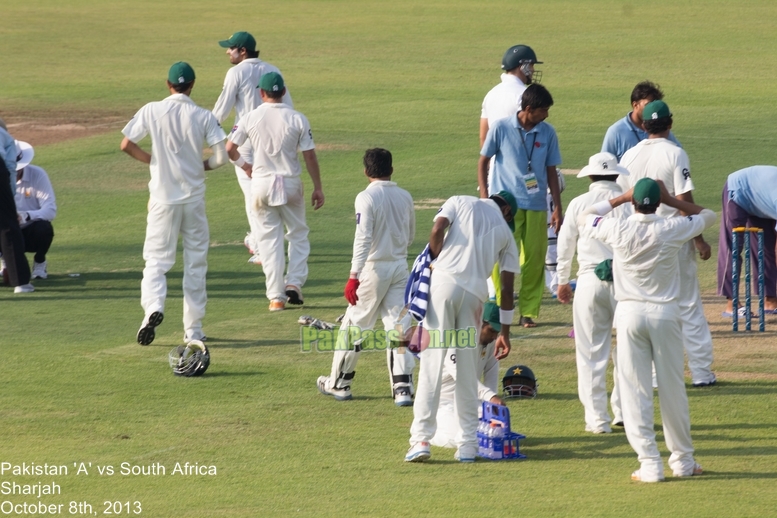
[241, 91]
[649, 324]
[487, 369]
[594, 302]
[749, 199]
[385, 228]
[659, 158]
[178, 128]
[277, 133]
[479, 235]
[15, 268]
[629, 131]
[504, 100]
[526, 153]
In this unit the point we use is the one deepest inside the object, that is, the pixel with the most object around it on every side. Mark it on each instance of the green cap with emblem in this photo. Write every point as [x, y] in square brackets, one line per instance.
[271, 82]
[180, 73]
[655, 110]
[240, 39]
[646, 192]
[510, 200]
[491, 315]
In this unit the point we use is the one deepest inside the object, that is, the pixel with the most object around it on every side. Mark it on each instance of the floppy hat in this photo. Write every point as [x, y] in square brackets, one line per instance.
[602, 164]
[24, 154]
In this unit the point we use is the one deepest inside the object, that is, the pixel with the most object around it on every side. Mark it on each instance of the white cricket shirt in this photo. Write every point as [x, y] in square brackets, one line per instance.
[659, 159]
[178, 128]
[241, 89]
[277, 132]
[478, 238]
[35, 196]
[590, 252]
[503, 100]
[645, 249]
[385, 224]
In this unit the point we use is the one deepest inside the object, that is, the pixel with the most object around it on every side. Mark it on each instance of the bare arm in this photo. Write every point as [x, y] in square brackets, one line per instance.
[557, 218]
[483, 163]
[483, 131]
[311, 163]
[437, 236]
[134, 151]
[502, 348]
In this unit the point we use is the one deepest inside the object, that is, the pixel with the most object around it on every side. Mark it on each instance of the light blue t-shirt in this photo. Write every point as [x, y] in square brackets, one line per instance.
[8, 155]
[513, 148]
[755, 190]
[624, 135]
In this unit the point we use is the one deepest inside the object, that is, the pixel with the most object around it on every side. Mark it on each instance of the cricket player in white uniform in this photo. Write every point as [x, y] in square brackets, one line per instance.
[477, 238]
[385, 228]
[277, 132]
[659, 158]
[241, 91]
[487, 369]
[647, 249]
[178, 128]
[594, 301]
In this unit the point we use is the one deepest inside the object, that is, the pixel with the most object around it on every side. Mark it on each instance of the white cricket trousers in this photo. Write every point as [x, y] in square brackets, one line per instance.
[593, 311]
[696, 331]
[244, 181]
[381, 292]
[269, 235]
[652, 332]
[450, 308]
[164, 224]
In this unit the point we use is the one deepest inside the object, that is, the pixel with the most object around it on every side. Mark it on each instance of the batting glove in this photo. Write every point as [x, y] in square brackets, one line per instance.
[350, 291]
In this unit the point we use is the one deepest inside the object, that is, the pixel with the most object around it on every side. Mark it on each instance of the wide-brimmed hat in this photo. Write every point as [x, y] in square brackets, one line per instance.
[602, 164]
[24, 154]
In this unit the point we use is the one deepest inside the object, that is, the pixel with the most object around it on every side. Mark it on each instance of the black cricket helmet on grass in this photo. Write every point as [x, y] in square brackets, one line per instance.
[519, 381]
[189, 360]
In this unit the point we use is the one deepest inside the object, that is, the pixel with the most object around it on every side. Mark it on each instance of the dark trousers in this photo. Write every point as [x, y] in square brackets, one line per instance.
[733, 216]
[38, 236]
[11, 239]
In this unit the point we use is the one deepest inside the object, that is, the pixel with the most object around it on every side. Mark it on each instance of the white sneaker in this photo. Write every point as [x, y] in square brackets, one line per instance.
[695, 472]
[343, 394]
[247, 243]
[39, 270]
[402, 396]
[418, 452]
[638, 476]
[24, 288]
[463, 457]
[255, 259]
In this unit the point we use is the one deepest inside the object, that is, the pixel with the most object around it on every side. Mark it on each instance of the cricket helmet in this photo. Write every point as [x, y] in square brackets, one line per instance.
[189, 360]
[519, 381]
[524, 57]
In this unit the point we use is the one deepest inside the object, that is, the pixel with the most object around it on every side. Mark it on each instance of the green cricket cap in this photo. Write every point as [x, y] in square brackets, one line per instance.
[271, 82]
[240, 39]
[655, 110]
[646, 192]
[510, 199]
[180, 73]
[491, 315]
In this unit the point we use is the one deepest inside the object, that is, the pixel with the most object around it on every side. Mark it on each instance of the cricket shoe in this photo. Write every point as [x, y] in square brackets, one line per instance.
[277, 305]
[255, 259]
[418, 452]
[24, 288]
[464, 457]
[295, 295]
[706, 383]
[637, 476]
[342, 394]
[146, 333]
[694, 472]
[39, 270]
[403, 396]
[247, 243]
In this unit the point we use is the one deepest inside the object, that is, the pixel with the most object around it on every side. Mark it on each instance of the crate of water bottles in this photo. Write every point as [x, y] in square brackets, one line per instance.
[496, 441]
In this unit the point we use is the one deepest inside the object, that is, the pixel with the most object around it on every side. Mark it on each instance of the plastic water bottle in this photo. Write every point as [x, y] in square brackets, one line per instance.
[496, 435]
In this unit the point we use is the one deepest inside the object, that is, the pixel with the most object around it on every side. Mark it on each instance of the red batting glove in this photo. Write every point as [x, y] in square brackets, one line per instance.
[350, 291]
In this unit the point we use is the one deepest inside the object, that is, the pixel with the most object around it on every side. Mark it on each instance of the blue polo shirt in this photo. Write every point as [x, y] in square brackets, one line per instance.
[512, 147]
[624, 135]
[755, 190]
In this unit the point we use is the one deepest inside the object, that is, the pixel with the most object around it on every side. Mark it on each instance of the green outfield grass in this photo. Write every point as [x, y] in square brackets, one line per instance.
[75, 386]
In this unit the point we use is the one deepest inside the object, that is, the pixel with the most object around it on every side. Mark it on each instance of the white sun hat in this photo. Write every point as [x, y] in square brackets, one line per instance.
[24, 154]
[602, 164]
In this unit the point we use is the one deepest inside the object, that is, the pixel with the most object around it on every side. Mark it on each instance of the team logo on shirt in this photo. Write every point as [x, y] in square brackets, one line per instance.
[686, 173]
[537, 144]
[596, 221]
[234, 128]
[358, 217]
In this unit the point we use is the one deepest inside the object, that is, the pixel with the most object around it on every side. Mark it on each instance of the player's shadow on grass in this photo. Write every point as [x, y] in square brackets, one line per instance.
[558, 396]
[730, 388]
[226, 343]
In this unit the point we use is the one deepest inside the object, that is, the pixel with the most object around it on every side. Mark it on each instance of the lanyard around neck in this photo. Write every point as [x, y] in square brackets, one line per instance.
[530, 151]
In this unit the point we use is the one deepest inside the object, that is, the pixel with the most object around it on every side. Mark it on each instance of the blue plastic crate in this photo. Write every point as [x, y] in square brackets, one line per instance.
[499, 448]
